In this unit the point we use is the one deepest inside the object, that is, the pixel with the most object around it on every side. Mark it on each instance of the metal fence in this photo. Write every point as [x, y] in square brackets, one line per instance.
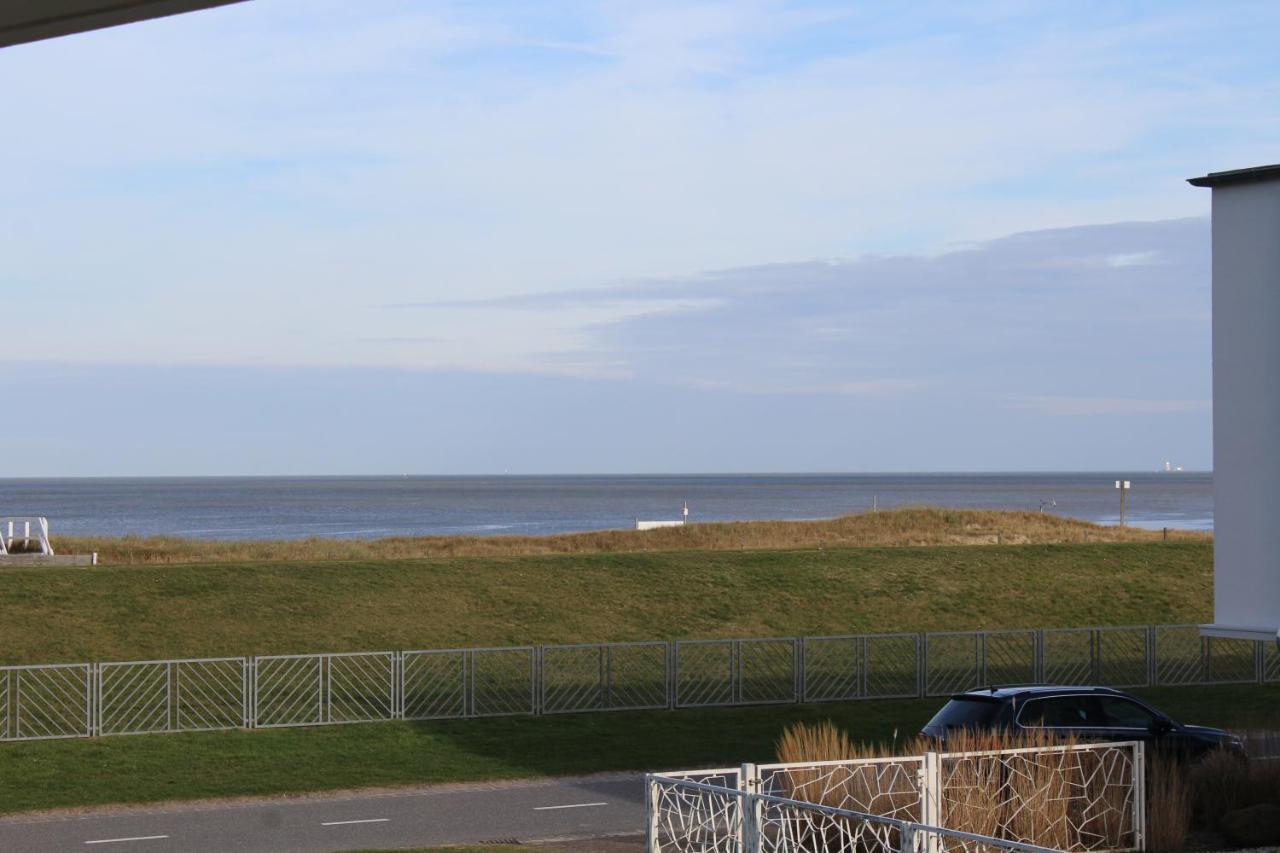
[134, 697]
[1083, 797]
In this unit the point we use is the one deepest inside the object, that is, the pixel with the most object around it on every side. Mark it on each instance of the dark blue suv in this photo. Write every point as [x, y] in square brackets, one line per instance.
[1087, 713]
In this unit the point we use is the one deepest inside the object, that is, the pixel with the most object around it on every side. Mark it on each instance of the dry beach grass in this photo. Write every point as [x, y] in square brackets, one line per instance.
[915, 526]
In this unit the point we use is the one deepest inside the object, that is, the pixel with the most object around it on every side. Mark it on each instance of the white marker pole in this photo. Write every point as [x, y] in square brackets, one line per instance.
[1123, 486]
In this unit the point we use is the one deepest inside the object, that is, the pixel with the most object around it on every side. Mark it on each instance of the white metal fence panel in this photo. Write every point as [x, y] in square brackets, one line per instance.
[1087, 797]
[133, 698]
[691, 817]
[434, 684]
[503, 681]
[881, 786]
[211, 694]
[1083, 797]
[288, 691]
[704, 673]
[52, 701]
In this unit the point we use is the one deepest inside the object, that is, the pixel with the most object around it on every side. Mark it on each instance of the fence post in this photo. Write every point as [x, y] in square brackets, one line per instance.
[1140, 795]
[751, 809]
[907, 841]
[931, 797]
[1037, 653]
[1259, 661]
[673, 674]
[800, 686]
[93, 699]
[980, 649]
[652, 801]
[922, 665]
[1153, 657]
[535, 680]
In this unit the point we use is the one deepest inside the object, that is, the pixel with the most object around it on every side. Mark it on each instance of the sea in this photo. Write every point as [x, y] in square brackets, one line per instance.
[370, 507]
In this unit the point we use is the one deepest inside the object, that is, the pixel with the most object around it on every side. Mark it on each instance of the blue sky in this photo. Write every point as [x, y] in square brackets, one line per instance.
[322, 237]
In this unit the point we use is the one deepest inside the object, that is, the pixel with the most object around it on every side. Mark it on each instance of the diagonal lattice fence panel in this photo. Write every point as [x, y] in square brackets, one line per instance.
[1180, 655]
[832, 668]
[1068, 655]
[766, 671]
[210, 694]
[952, 662]
[5, 716]
[1124, 657]
[704, 673]
[502, 681]
[52, 701]
[133, 698]
[892, 666]
[1271, 662]
[361, 687]
[574, 678]
[435, 684]
[289, 691]
[637, 675]
[1009, 657]
[1228, 661]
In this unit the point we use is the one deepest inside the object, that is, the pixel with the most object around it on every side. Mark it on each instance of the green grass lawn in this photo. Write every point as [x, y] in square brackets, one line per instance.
[149, 768]
[141, 612]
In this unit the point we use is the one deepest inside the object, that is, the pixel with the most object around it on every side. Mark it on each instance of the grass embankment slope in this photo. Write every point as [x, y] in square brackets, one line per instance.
[264, 607]
[902, 527]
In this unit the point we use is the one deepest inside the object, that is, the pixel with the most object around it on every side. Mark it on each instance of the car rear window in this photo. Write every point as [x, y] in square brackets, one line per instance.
[967, 712]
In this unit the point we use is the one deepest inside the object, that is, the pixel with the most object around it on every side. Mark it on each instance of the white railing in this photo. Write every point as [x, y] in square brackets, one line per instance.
[17, 529]
[85, 699]
[1085, 797]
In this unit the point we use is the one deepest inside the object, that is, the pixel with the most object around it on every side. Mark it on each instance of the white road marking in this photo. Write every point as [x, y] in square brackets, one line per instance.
[134, 838]
[570, 806]
[347, 822]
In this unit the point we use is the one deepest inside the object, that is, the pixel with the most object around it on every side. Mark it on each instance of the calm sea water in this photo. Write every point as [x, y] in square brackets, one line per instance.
[366, 507]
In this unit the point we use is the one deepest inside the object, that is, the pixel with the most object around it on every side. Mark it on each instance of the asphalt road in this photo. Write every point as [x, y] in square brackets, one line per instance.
[584, 807]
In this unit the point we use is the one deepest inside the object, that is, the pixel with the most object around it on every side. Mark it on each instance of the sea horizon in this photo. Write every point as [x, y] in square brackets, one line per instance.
[375, 506]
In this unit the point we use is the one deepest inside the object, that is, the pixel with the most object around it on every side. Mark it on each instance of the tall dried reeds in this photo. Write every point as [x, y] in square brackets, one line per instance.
[1062, 798]
[1168, 805]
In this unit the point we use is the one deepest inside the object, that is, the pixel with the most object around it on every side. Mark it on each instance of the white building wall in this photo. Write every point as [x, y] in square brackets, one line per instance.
[1246, 408]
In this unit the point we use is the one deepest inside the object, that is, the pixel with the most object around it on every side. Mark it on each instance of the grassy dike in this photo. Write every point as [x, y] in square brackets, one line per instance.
[149, 768]
[160, 611]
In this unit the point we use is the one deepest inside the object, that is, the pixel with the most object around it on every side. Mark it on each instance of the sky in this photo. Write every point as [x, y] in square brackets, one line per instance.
[288, 237]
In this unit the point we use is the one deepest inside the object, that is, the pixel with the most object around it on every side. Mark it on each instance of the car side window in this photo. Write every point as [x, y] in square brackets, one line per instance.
[1125, 713]
[1061, 712]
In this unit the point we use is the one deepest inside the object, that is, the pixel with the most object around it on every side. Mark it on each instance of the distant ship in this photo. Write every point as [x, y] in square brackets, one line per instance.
[1170, 468]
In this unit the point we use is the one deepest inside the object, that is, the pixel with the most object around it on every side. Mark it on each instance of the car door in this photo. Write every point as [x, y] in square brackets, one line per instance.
[1131, 720]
